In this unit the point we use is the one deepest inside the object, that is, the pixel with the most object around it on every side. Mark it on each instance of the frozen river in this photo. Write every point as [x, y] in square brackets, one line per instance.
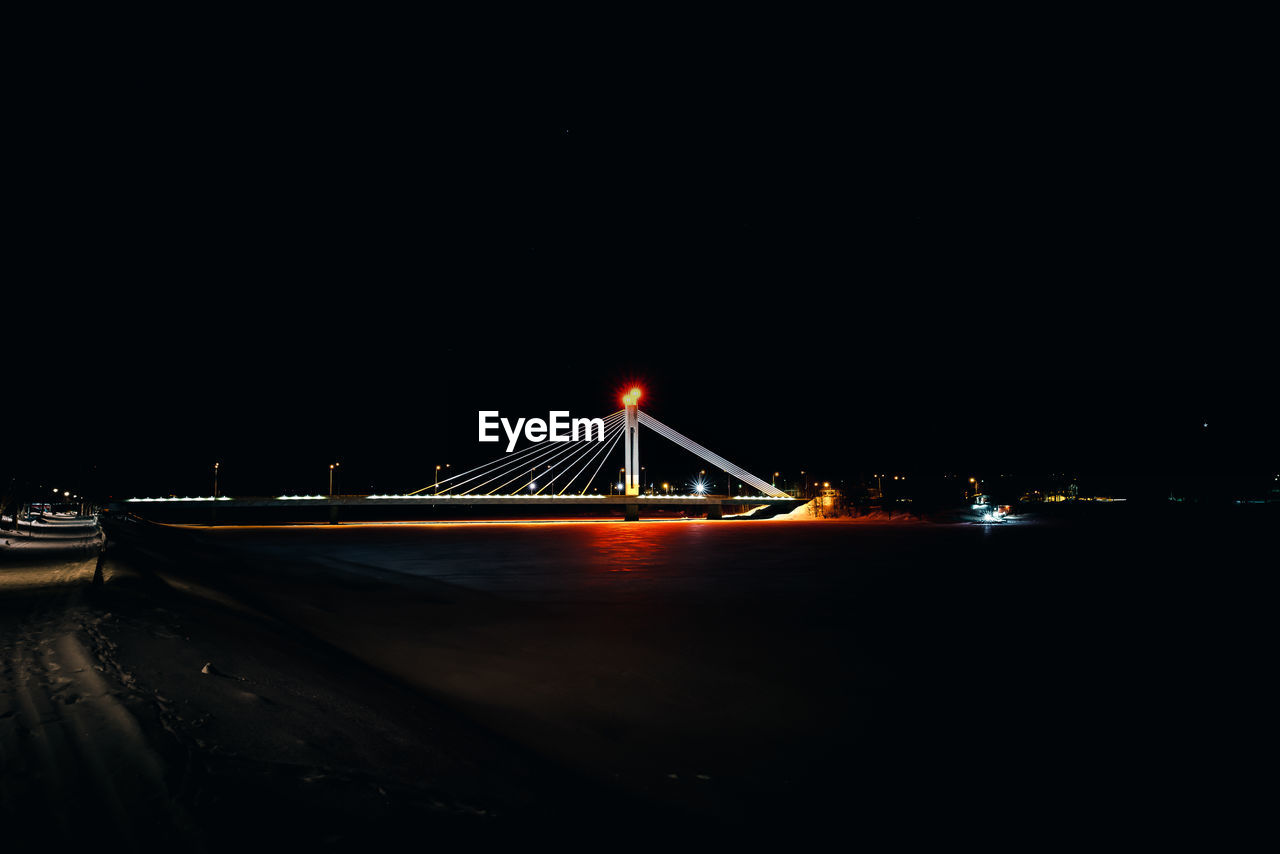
[614, 561]
[1037, 669]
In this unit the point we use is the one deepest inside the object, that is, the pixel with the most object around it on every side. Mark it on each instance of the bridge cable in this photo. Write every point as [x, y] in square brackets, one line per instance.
[602, 459]
[500, 461]
[589, 454]
[602, 448]
[542, 453]
[573, 458]
[553, 453]
[715, 459]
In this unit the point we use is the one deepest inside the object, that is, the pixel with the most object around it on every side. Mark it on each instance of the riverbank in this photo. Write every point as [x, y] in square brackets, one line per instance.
[716, 713]
[148, 713]
[735, 680]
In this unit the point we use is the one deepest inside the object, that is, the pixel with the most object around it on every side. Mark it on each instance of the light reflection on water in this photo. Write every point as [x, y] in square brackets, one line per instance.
[630, 547]
[610, 560]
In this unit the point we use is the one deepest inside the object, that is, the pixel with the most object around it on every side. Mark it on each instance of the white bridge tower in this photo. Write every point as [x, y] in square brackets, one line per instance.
[632, 437]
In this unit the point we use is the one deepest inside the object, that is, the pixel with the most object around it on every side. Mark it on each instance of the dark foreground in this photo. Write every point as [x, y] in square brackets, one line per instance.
[1078, 678]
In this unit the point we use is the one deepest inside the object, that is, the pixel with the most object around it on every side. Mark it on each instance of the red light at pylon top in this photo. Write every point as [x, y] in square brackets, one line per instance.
[632, 397]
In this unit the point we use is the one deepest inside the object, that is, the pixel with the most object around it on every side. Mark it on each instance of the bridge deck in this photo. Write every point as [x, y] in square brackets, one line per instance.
[468, 500]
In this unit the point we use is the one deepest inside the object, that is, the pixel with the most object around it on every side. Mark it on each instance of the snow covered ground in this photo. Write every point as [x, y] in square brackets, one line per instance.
[52, 535]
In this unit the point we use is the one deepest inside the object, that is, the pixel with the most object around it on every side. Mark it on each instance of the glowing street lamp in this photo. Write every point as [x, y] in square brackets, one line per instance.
[215, 479]
[331, 468]
[446, 468]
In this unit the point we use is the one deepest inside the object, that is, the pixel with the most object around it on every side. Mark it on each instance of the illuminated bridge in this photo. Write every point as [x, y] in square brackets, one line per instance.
[548, 474]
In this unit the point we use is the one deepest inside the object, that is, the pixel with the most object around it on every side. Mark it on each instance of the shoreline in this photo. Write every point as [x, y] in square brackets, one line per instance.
[940, 680]
[586, 686]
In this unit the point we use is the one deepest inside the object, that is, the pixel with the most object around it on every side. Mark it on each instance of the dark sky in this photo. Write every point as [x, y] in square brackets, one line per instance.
[1014, 258]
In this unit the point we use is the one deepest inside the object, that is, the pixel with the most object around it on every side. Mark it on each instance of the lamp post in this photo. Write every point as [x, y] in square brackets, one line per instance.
[332, 466]
[437, 480]
[215, 480]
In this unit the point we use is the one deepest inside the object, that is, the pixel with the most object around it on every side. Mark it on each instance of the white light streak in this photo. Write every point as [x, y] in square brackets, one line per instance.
[715, 459]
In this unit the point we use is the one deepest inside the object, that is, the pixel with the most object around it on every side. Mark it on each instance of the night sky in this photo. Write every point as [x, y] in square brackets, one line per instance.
[1022, 259]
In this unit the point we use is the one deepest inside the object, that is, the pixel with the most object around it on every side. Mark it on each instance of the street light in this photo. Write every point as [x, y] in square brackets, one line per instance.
[215, 480]
[331, 468]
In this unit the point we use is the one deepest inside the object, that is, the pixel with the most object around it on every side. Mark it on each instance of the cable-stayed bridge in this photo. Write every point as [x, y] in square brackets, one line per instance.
[548, 474]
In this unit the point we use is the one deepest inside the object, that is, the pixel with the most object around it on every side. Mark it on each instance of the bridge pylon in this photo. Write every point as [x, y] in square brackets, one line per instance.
[631, 401]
